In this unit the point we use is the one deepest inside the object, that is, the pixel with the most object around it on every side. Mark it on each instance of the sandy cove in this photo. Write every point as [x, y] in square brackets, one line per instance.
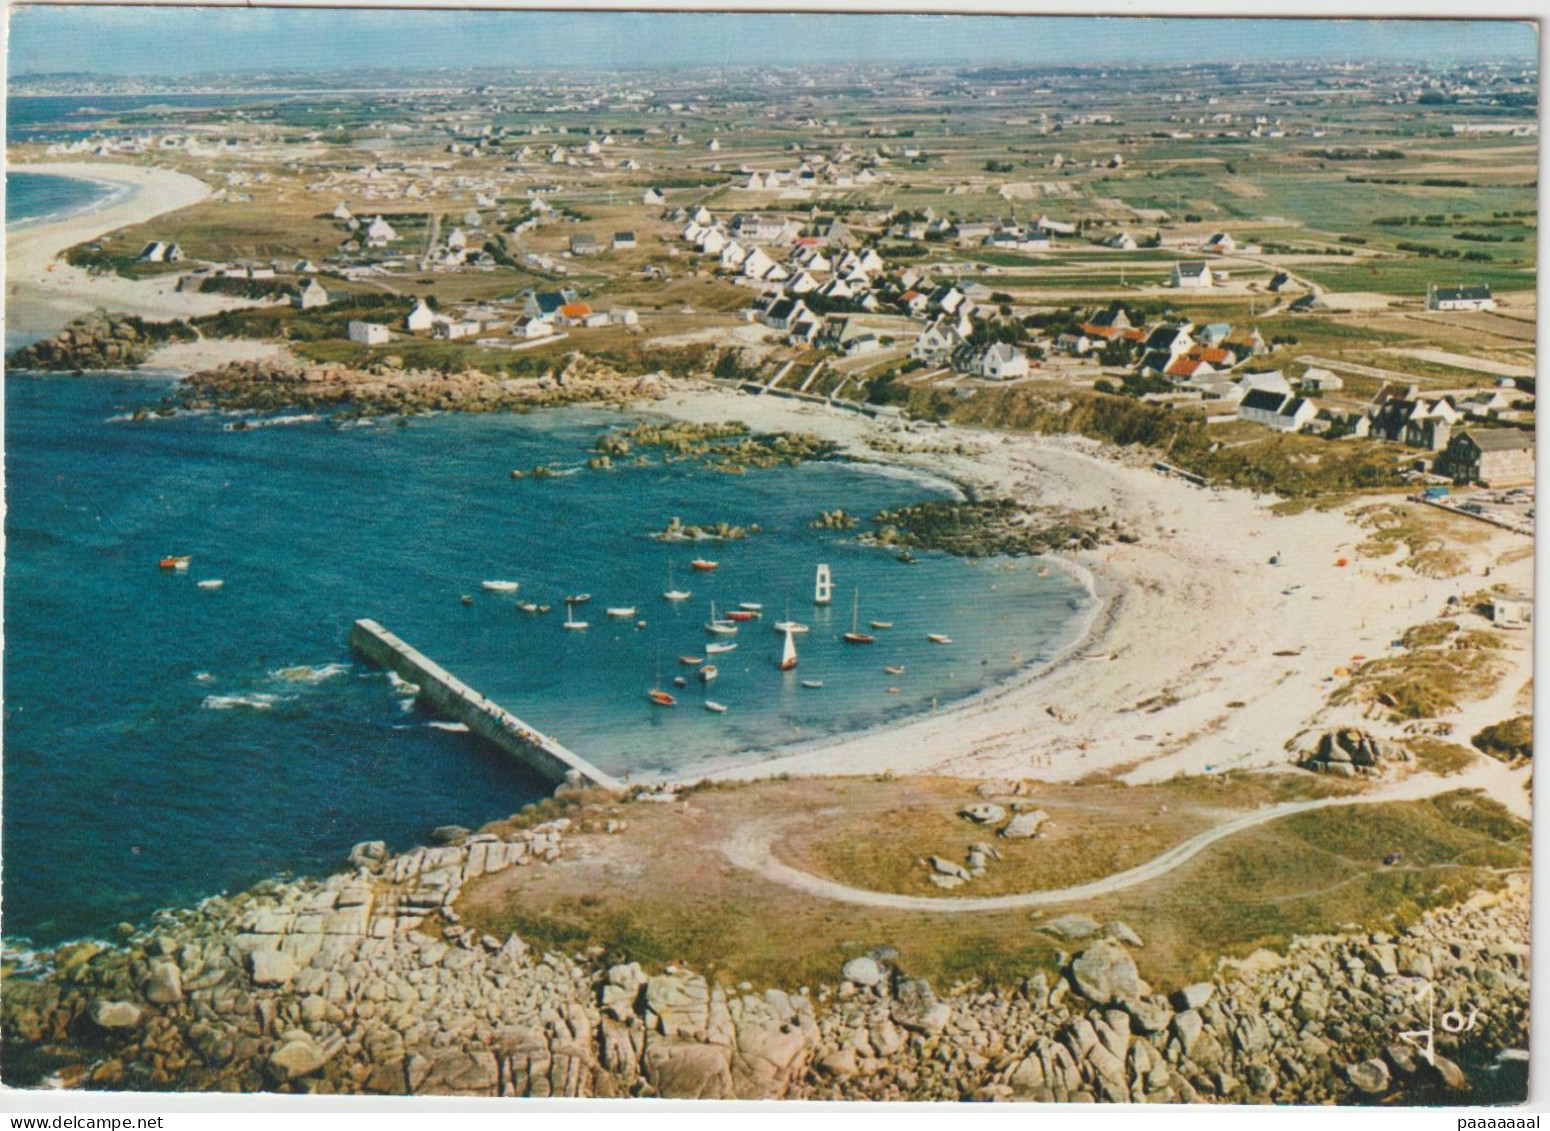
[43, 292]
[1191, 618]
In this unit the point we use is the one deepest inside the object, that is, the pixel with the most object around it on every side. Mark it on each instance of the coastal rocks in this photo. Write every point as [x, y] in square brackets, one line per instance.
[165, 984]
[296, 1058]
[272, 967]
[986, 527]
[916, 1007]
[1105, 973]
[387, 389]
[949, 869]
[116, 1016]
[836, 519]
[1074, 926]
[1025, 825]
[677, 1005]
[99, 341]
[419, 1004]
[863, 971]
[1347, 752]
[984, 814]
[1370, 1076]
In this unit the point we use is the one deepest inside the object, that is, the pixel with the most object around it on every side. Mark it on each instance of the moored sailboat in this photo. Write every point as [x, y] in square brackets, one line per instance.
[673, 592]
[788, 653]
[717, 625]
[855, 635]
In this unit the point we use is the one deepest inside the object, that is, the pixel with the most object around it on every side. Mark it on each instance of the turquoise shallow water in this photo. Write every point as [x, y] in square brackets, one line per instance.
[163, 742]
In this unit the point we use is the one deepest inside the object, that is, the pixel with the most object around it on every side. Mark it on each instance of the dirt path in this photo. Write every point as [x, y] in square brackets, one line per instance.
[752, 847]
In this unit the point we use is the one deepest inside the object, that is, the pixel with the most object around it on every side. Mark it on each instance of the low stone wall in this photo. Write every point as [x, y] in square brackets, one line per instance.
[485, 718]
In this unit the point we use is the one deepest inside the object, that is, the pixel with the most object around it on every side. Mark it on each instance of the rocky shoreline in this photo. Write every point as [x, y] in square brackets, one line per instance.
[99, 341]
[386, 389]
[367, 982]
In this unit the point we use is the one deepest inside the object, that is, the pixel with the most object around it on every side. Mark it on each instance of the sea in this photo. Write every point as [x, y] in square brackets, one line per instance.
[32, 198]
[165, 741]
[71, 117]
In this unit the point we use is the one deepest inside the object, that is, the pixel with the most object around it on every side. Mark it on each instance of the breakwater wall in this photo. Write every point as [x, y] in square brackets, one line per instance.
[486, 719]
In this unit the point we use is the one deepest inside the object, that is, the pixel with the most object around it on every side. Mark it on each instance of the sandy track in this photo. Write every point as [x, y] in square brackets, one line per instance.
[751, 848]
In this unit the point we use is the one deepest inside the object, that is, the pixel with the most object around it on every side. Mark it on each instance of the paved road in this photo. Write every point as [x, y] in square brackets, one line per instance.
[751, 849]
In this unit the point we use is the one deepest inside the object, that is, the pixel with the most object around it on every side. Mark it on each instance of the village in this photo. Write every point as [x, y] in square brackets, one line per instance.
[871, 258]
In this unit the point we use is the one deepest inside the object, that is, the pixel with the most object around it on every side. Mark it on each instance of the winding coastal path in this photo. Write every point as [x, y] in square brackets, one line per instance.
[752, 848]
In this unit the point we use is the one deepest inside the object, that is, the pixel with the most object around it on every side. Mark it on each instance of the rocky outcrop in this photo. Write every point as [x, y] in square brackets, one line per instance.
[369, 982]
[1348, 752]
[99, 341]
[389, 389]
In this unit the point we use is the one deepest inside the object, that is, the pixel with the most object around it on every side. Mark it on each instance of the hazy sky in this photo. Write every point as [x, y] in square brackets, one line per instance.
[183, 41]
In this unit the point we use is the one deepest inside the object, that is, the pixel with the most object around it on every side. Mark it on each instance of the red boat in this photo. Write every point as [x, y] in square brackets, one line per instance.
[176, 562]
[741, 615]
[661, 698]
[702, 565]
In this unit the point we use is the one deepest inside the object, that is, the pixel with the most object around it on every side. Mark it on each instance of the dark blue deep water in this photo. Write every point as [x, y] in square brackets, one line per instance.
[163, 742]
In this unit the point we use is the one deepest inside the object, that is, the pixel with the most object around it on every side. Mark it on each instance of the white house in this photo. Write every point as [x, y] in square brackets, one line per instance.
[1316, 380]
[311, 296]
[1192, 275]
[369, 333]
[159, 252]
[530, 327]
[1280, 411]
[1220, 242]
[653, 196]
[999, 361]
[785, 313]
[1273, 381]
[379, 232]
[1459, 298]
[757, 265]
[936, 342]
[1121, 241]
[452, 330]
[421, 318]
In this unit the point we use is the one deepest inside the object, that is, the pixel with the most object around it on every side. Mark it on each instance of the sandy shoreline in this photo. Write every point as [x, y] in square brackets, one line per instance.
[43, 293]
[1178, 671]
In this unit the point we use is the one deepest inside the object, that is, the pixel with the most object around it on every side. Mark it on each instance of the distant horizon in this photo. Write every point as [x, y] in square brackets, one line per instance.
[131, 42]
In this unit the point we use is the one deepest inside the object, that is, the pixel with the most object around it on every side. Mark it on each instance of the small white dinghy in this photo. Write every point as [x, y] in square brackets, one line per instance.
[500, 586]
[621, 613]
[718, 708]
[211, 583]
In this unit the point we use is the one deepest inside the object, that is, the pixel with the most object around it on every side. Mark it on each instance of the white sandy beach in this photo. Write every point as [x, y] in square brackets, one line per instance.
[42, 292]
[1180, 672]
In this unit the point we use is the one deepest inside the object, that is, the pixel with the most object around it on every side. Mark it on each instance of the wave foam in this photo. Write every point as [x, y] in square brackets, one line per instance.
[401, 685]
[305, 673]
[455, 728]
[257, 701]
